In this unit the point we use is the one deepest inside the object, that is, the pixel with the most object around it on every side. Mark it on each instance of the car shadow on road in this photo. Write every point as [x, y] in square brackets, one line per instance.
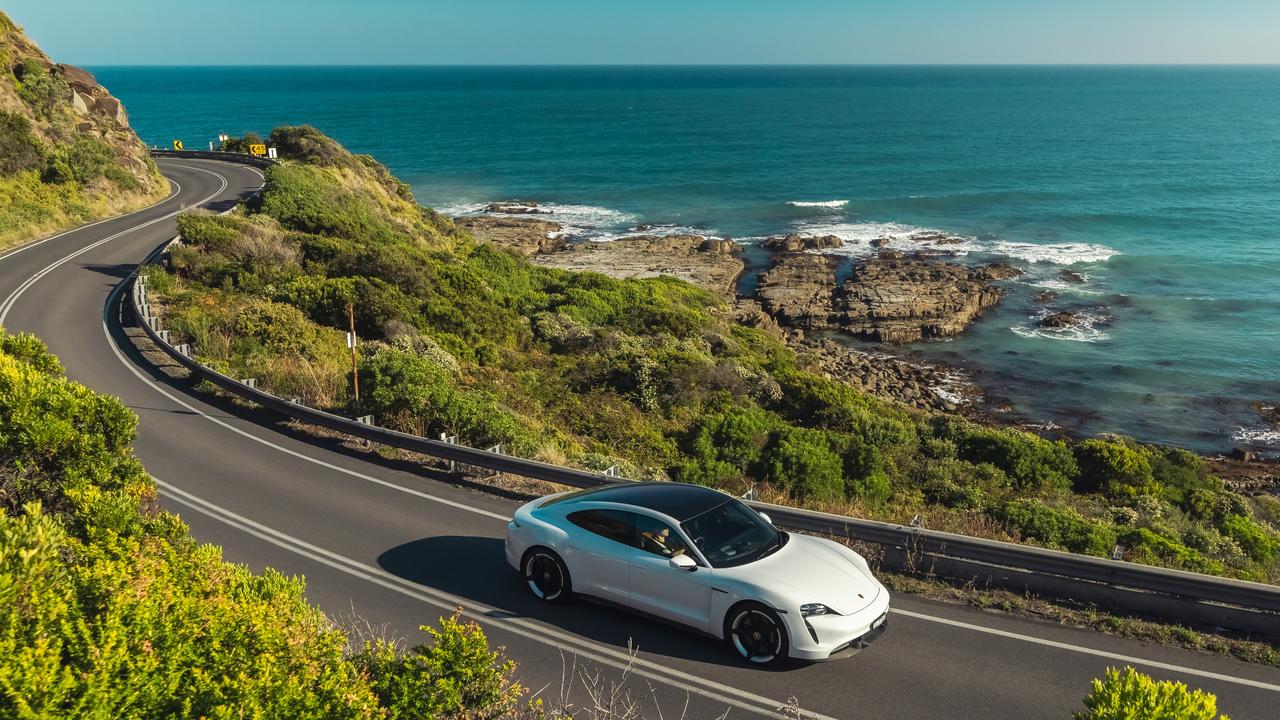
[475, 568]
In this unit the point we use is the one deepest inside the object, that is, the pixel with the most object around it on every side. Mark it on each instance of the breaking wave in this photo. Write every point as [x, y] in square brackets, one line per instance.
[818, 203]
[1088, 328]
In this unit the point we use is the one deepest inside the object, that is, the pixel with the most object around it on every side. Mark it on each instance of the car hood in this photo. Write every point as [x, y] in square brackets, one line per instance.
[814, 570]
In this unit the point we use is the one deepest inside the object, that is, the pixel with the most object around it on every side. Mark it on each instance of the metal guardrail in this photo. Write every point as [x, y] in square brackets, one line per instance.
[242, 158]
[1228, 603]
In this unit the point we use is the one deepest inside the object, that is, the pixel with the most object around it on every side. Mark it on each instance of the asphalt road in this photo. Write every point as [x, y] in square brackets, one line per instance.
[397, 550]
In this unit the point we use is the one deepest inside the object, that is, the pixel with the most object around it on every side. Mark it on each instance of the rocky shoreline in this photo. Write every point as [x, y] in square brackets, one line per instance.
[890, 297]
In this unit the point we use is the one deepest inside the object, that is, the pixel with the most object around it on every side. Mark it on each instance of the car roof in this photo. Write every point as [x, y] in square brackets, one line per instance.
[679, 501]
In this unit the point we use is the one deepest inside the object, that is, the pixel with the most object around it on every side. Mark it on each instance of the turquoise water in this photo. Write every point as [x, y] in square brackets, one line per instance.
[1160, 185]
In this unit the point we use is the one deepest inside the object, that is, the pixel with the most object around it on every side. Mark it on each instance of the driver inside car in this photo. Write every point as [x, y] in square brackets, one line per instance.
[660, 542]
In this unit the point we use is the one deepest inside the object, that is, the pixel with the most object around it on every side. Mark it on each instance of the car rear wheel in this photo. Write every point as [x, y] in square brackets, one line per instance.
[757, 634]
[546, 575]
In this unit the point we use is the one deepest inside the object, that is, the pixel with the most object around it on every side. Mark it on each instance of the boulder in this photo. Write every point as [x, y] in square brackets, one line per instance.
[1045, 297]
[795, 242]
[77, 77]
[1063, 319]
[1071, 276]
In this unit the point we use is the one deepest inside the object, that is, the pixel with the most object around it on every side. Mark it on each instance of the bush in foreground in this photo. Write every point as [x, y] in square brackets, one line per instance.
[108, 608]
[1129, 695]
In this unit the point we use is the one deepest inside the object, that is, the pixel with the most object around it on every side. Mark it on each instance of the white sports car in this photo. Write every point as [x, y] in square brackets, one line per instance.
[704, 559]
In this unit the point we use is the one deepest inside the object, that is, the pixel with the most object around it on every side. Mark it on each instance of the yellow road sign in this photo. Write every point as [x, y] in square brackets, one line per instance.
[257, 149]
[177, 144]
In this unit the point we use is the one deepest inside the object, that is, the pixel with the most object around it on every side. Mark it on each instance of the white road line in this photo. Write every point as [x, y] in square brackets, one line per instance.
[498, 516]
[481, 612]
[1127, 659]
[22, 289]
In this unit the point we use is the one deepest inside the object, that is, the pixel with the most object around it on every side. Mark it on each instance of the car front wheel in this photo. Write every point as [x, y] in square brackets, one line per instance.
[546, 575]
[757, 634]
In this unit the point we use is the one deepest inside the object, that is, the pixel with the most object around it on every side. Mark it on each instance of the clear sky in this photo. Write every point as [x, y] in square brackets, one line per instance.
[443, 32]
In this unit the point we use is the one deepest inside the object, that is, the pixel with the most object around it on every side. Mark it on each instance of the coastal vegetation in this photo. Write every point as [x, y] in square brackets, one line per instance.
[108, 608]
[1128, 694]
[67, 154]
[650, 374]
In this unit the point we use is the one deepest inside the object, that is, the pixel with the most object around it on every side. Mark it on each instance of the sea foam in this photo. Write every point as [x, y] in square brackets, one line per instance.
[818, 203]
[1087, 330]
[1058, 254]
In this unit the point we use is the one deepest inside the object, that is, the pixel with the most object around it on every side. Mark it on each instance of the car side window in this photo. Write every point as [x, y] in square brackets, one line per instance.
[613, 524]
[656, 537]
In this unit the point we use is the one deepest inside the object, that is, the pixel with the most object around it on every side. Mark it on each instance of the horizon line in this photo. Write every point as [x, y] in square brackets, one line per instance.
[699, 65]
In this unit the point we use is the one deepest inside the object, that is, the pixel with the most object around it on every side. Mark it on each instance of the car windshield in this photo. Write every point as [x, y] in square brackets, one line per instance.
[733, 534]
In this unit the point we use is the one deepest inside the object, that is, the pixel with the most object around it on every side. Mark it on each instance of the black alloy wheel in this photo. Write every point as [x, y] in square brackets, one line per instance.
[546, 575]
[757, 634]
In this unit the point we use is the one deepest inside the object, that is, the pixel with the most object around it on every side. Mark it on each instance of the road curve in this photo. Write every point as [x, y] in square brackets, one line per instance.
[397, 549]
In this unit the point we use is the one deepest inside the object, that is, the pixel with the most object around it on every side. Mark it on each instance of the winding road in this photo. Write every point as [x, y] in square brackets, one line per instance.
[397, 549]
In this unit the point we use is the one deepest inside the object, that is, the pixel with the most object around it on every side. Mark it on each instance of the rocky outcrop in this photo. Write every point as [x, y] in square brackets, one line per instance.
[896, 298]
[90, 98]
[1071, 276]
[797, 291]
[795, 242]
[890, 298]
[525, 235]
[1061, 319]
[711, 263]
[750, 313]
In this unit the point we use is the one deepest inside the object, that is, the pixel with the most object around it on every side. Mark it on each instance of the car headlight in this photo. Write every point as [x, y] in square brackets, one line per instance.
[811, 609]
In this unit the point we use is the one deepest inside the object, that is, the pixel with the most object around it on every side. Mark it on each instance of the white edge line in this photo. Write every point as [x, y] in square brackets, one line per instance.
[498, 516]
[1090, 651]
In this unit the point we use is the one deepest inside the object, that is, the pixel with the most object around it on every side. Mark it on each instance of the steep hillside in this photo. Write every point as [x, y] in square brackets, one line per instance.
[67, 153]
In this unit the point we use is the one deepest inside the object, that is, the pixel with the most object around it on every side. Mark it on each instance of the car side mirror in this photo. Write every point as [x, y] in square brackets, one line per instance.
[766, 518]
[683, 562]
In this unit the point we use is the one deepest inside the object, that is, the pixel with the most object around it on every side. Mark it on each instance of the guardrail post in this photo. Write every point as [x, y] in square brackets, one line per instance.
[184, 348]
[164, 335]
[366, 420]
[611, 471]
[250, 382]
[452, 440]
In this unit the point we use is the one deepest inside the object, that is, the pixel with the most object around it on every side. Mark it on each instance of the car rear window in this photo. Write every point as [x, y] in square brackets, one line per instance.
[613, 524]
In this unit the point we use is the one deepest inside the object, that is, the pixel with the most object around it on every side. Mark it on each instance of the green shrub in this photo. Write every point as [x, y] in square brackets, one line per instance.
[1130, 695]
[1031, 463]
[455, 677]
[1063, 529]
[803, 461]
[426, 398]
[19, 149]
[241, 144]
[1257, 541]
[39, 88]
[1116, 468]
[81, 162]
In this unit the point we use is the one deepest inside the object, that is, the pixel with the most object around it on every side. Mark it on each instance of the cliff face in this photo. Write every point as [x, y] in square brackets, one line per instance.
[67, 153]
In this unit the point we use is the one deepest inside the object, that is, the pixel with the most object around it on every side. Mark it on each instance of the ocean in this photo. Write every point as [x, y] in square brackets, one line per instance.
[1159, 186]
